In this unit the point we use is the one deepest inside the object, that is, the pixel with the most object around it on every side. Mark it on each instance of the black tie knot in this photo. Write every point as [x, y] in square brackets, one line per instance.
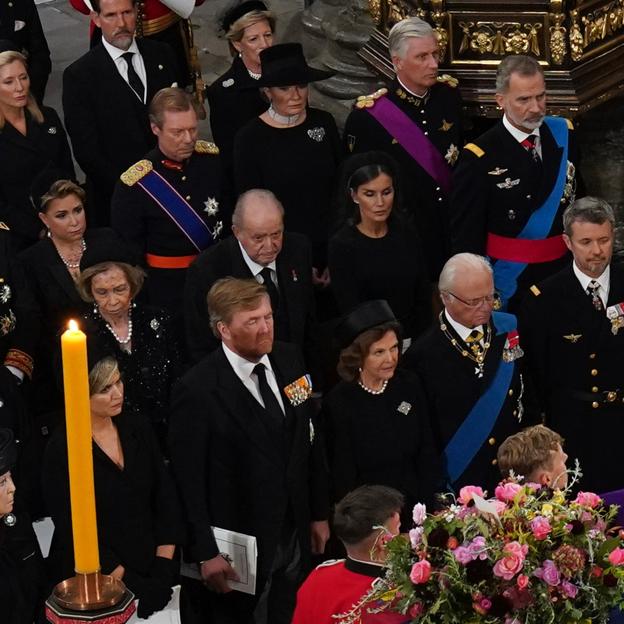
[133, 78]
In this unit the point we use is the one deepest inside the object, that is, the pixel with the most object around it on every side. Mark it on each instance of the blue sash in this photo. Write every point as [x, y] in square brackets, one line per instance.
[476, 427]
[177, 209]
[506, 273]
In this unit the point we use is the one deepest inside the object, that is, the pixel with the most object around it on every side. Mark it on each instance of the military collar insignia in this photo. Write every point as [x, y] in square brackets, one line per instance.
[573, 338]
[508, 183]
[615, 314]
[411, 98]
[299, 390]
[512, 349]
[452, 154]
[216, 231]
[446, 125]
[497, 171]
[172, 164]
[451, 81]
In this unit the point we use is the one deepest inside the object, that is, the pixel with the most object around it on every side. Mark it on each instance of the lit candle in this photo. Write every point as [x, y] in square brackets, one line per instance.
[79, 449]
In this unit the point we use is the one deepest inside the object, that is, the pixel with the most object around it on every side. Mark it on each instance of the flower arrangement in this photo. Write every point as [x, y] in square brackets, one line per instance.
[526, 556]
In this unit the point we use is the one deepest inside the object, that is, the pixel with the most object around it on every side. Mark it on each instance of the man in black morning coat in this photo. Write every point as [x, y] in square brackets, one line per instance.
[246, 457]
[105, 116]
[432, 110]
[259, 242]
[574, 343]
[470, 353]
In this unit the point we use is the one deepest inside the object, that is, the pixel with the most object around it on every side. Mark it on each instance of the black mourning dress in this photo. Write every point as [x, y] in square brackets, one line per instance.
[382, 439]
[299, 165]
[148, 372]
[391, 268]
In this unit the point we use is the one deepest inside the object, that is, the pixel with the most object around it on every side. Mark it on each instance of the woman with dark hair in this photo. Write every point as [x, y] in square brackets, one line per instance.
[31, 139]
[138, 515]
[377, 430]
[376, 253]
[233, 100]
[291, 149]
[141, 337]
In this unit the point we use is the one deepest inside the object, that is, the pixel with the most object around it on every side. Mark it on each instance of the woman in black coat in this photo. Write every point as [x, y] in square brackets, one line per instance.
[377, 430]
[31, 140]
[138, 515]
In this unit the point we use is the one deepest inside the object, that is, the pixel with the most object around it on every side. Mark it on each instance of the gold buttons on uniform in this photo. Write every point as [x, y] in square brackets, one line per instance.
[492, 441]
[594, 388]
[188, 198]
[594, 372]
[183, 178]
[510, 392]
[595, 404]
[592, 356]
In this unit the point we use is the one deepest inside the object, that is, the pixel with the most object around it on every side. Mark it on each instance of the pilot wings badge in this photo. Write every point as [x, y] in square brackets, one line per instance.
[573, 338]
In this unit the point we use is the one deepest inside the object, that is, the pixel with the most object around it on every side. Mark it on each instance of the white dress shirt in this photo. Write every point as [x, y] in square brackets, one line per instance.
[122, 66]
[519, 135]
[244, 371]
[462, 331]
[255, 268]
[603, 281]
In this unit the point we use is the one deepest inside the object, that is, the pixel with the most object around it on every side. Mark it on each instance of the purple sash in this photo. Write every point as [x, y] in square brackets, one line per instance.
[412, 140]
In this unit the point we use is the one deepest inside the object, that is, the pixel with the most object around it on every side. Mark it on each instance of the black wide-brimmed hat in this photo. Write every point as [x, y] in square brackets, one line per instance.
[238, 11]
[42, 183]
[108, 248]
[284, 65]
[6, 45]
[365, 316]
[8, 450]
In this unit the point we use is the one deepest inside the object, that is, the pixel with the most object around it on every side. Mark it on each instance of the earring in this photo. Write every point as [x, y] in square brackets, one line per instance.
[95, 309]
[48, 233]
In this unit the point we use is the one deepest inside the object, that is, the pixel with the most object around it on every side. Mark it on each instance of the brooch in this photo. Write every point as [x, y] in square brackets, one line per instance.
[228, 83]
[52, 130]
[512, 349]
[404, 408]
[295, 278]
[154, 324]
[211, 206]
[451, 154]
[615, 314]
[299, 390]
[316, 134]
[508, 183]
[5, 293]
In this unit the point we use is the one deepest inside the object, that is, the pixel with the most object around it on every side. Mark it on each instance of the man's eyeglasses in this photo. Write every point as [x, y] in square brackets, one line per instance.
[493, 300]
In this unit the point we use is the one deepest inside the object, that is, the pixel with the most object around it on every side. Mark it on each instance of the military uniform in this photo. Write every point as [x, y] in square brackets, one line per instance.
[496, 190]
[438, 115]
[453, 385]
[575, 357]
[153, 234]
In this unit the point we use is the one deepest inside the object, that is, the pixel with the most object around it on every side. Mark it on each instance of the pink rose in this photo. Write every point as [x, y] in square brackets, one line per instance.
[616, 557]
[463, 555]
[588, 499]
[540, 527]
[522, 581]
[507, 491]
[421, 571]
[548, 573]
[419, 513]
[569, 590]
[415, 536]
[416, 609]
[512, 560]
[466, 493]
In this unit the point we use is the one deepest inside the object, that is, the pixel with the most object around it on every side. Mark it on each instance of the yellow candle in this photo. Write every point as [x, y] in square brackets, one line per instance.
[79, 449]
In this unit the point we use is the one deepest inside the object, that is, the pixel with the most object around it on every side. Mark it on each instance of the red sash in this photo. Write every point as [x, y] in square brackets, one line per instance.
[525, 250]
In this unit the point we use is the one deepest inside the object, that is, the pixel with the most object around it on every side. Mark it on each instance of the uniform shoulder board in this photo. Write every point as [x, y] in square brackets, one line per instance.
[451, 81]
[570, 124]
[368, 101]
[329, 562]
[206, 147]
[535, 290]
[4, 226]
[475, 149]
[132, 175]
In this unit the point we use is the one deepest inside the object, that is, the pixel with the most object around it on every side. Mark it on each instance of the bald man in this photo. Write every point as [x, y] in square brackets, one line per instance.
[259, 248]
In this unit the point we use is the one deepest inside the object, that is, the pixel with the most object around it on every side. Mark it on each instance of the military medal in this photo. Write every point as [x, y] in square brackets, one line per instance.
[211, 206]
[512, 349]
[478, 353]
[615, 314]
[299, 390]
[452, 154]
[511, 214]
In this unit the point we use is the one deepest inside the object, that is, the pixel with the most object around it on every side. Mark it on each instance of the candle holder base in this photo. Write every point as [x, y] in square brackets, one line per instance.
[95, 597]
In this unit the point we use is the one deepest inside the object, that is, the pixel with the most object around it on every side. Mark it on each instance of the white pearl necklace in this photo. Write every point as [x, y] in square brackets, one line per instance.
[287, 120]
[370, 390]
[73, 265]
[254, 75]
[125, 340]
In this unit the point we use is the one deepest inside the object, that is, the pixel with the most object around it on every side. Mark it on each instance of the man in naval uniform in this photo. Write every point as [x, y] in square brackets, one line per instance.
[417, 120]
[573, 331]
[469, 366]
[511, 186]
[170, 205]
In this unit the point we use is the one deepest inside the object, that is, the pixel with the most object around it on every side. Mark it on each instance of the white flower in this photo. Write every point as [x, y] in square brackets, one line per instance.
[415, 536]
[419, 513]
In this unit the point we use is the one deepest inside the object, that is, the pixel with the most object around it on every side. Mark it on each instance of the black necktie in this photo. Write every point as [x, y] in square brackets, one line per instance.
[592, 290]
[271, 288]
[271, 404]
[133, 78]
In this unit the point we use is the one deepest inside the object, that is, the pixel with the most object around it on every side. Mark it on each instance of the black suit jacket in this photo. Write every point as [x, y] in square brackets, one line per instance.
[575, 360]
[230, 471]
[107, 123]
[294, 275]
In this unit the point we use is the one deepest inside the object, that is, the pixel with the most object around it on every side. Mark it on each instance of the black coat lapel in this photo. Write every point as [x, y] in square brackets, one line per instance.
[60, 273]
[551, 159]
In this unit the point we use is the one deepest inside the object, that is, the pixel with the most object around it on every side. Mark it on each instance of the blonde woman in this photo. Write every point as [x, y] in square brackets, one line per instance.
[31, 140]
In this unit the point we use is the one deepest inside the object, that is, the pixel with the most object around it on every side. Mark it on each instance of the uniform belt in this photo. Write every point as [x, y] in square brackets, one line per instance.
[158, 24]
[169, 262]
[606, 397]
[525, 250]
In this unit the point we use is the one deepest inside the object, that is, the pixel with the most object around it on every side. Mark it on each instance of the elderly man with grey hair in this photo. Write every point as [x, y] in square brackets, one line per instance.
[470, 365]
[573, 330]
[513, 183]
[260, 248]
[418, 121]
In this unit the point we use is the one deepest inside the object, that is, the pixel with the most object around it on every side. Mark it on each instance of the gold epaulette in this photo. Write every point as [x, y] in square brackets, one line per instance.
[535, 290]
[329, 562]
[451, 81]
[206, 147]
[4, 226]
[368, 101]
[132, 175]
[475, 149]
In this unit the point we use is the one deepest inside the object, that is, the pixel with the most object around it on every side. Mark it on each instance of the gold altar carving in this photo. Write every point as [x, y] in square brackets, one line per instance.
[500, 38]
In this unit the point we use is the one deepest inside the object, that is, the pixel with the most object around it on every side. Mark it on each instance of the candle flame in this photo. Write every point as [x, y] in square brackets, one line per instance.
[73, 326]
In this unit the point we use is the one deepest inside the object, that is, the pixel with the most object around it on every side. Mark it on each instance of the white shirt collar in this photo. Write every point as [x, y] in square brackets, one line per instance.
[242, 367]
[116, 53]
[462, 331]
[254, 267]
[519, 135]
[420, 97]
[603, 280]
